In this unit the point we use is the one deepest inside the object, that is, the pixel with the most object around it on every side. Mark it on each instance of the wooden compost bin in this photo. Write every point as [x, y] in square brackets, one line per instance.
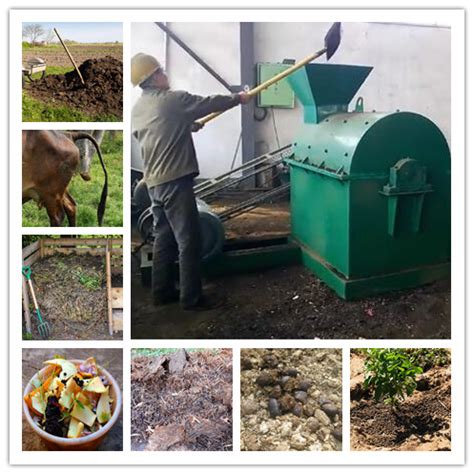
[111, 249]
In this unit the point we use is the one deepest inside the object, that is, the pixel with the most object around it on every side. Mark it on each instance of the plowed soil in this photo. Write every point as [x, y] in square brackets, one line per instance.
[182, 402]
[421, 423]
[102, 93]
[56, 56]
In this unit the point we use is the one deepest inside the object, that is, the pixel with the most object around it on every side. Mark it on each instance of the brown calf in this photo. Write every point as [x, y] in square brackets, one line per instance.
[49, 161]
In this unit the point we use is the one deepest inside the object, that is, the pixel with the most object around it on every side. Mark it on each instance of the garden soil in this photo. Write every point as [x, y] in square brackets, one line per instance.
[421, 423]
[71, 293]
[102, 93]
[182, 401]
[291, 399]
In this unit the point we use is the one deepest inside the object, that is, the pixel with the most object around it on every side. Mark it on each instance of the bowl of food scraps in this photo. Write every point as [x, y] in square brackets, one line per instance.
[72, 404]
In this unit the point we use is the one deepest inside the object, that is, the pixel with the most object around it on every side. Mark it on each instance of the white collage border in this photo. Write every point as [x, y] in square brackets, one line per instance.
[454, 18]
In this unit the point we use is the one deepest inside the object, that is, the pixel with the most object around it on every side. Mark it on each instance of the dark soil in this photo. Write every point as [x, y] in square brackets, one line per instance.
[182, 402]
[71, 293]
[102, 93]
[421, 423]
[291, 303]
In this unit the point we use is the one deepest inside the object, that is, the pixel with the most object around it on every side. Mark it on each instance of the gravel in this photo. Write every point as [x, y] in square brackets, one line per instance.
[291, 399]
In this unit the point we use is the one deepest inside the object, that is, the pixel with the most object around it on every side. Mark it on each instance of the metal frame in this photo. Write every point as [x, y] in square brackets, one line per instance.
[195, 56]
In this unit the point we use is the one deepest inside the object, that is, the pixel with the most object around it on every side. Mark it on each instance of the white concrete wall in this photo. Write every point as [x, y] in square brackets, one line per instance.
[411, 72]
[411, 68]
[219, 45]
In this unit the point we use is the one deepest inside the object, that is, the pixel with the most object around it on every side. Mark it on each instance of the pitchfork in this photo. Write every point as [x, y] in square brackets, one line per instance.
[43, 326]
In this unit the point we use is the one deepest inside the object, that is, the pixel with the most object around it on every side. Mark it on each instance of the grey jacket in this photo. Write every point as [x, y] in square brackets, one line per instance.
[161, 121]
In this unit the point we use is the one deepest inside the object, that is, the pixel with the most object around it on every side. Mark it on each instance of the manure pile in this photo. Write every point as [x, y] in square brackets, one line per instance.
[102, 93]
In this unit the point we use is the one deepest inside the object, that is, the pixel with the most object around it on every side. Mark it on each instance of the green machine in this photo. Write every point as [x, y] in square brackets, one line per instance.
[370, 192]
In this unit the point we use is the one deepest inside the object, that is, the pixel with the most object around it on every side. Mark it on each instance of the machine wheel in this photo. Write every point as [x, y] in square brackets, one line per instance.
[212, 231]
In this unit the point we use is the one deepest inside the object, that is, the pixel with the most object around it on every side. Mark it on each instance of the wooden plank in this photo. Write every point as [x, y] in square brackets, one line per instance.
[116, 298]
[29, 249]
[76, 241]
[109, 290]
[31, 259]
[26, 304]
[83, 241]
[118, 320]
[77, 251]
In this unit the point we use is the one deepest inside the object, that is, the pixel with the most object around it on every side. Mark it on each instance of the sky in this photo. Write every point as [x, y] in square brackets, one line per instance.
[98, 32]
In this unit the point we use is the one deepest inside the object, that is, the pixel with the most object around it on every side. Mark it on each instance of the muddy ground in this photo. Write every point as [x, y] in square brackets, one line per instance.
[289, 302]
[291, 399]
[102, 93]
[110, 359]
[292, 303]
[421, 423]
[71, 293]
[182, 401]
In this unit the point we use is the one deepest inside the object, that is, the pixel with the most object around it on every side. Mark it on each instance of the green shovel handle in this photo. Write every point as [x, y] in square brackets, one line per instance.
[26, 270]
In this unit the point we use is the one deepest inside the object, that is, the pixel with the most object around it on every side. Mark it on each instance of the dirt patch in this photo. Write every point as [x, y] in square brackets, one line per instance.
[102, 93]
[267, 220]
[291, 399]
[421, 423]
[291, 303]
[182, 402]
[71, 293]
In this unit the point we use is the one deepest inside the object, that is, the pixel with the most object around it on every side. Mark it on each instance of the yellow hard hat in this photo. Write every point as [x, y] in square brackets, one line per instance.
[143, 66]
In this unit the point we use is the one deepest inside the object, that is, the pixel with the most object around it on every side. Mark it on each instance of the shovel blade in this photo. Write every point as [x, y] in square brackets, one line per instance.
[332, 40]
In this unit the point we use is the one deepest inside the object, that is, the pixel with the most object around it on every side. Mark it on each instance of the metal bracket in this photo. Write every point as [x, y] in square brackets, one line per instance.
[406, 191]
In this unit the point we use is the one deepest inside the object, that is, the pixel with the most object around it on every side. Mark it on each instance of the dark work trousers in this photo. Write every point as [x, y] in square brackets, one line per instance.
[177, 237]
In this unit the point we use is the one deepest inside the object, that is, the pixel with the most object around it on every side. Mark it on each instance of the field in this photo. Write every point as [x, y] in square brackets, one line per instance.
[419, 422]
[87, 193]
[291, 399]
[181, 400]
[54, 54]
[46, 102]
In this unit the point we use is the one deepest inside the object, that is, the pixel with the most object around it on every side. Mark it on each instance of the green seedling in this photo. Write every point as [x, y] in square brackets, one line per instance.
[391, 373]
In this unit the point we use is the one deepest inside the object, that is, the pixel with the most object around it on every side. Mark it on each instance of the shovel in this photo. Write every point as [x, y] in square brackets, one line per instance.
[331, 43]
[43, 327]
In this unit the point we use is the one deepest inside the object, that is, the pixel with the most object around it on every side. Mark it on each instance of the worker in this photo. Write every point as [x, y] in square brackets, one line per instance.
[162, 121]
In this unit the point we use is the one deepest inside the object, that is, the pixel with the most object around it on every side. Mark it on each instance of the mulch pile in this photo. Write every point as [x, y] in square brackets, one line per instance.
[102, 93]
[182, 401]
[71, 294]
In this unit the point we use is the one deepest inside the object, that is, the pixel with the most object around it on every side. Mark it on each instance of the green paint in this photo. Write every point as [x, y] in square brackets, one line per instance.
[370, 192]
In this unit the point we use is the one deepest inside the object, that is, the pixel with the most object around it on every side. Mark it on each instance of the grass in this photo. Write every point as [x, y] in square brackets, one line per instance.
[36, 111]
[91, 281]
[160, 352]
[87, 193]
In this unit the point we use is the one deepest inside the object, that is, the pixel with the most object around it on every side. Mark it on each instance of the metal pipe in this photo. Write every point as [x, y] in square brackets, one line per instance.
[207, 193]
[194, 55]
[252, 203]
[259, 159]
